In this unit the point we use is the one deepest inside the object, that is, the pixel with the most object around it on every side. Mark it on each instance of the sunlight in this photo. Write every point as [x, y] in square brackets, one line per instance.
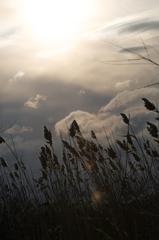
[58, 22]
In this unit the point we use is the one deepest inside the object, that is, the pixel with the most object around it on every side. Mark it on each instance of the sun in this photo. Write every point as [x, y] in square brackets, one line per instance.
[56, 21]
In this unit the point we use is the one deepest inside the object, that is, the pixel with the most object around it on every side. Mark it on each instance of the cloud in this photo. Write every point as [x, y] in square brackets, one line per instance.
[140, 26]
[16, 129]
[7, 33]
[123, 84]
[83, 65]
[134, 49]
[77, 79]
[108, 120]
[18, 76]
[78, 76]
[34, 102]
[145, 20]
[82, 92]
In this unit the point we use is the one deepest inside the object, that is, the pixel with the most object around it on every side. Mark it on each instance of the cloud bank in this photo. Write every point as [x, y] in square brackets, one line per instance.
[108, 120]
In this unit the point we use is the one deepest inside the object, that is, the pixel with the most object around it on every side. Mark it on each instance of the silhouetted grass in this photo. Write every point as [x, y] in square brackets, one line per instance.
[94, 191]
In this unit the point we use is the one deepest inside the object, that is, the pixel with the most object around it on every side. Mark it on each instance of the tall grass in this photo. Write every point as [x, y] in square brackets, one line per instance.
[95, 190]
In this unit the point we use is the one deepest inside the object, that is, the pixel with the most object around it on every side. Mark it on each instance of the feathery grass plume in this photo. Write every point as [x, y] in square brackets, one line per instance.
[152, 129]
[2, 140]
[3, 162]
[43, 158]
[48, 136]
[93, 135]
[149, 105]
[48, 152]
[125, 118]
[74, 129]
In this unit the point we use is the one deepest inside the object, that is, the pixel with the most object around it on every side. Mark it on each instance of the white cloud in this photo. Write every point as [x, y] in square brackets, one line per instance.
[123, 84]
[108, 118]
[16, 129]
[34, 102]
[18, 76]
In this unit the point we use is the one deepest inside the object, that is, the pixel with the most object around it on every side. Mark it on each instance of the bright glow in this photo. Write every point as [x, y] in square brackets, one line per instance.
[56, 21]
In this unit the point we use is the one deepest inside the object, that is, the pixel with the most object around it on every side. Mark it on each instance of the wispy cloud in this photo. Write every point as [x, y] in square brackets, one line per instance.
[34, 102]
[16, 129]
[140, 26]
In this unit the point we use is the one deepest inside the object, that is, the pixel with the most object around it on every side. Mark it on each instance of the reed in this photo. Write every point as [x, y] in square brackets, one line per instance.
[95, 190]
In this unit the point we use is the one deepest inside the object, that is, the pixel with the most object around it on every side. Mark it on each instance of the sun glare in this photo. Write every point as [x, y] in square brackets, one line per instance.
[56, 21]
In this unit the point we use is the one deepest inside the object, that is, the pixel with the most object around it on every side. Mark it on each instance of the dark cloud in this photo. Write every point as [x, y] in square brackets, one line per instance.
[61, 100]
[140, 26]
[140, 48]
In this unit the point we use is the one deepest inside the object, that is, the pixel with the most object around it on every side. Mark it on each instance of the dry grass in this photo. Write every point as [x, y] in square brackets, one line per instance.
[95, 191]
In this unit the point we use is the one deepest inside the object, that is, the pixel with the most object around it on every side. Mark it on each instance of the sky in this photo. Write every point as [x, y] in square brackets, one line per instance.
[59, 62]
